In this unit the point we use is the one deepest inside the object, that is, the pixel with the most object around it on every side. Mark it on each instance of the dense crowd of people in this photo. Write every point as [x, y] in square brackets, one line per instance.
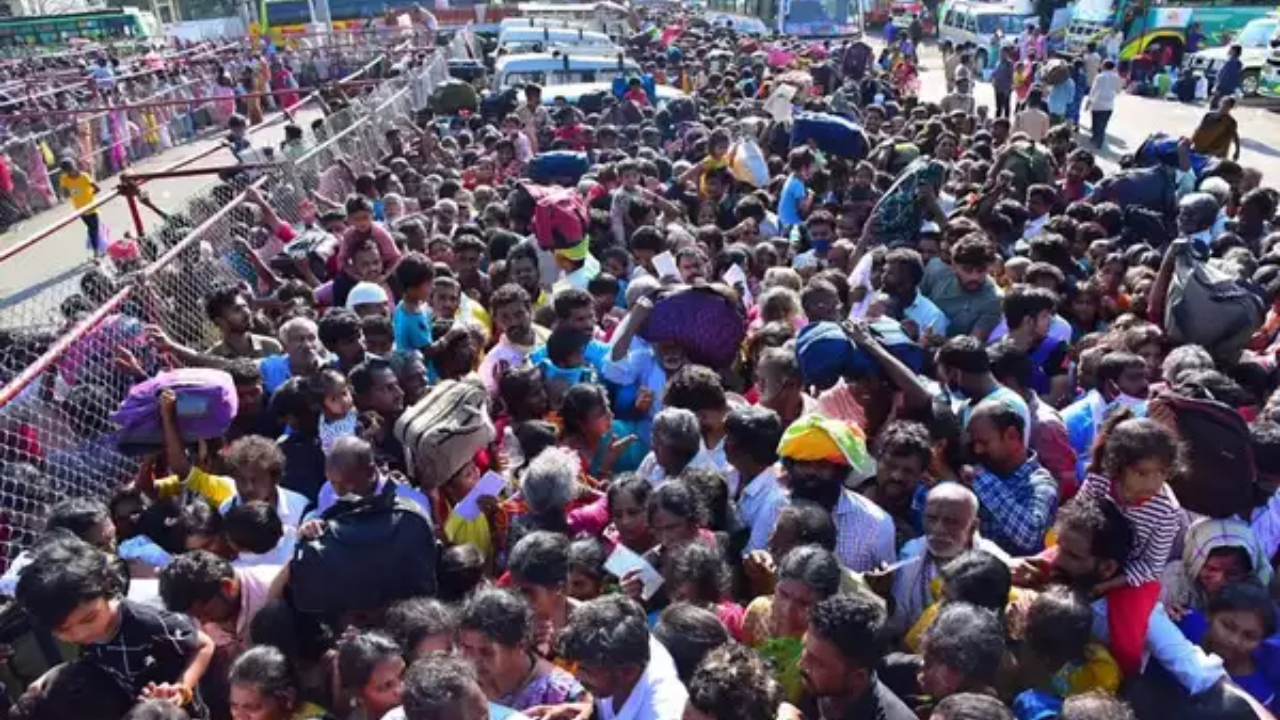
[742, 411]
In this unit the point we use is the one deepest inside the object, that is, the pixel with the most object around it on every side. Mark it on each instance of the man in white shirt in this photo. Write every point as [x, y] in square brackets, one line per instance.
[677, 446]
[751, 446]
[1102, 101]
[630, 675]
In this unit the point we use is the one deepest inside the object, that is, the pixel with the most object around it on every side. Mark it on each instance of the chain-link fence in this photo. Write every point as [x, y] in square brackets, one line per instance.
[65, 375]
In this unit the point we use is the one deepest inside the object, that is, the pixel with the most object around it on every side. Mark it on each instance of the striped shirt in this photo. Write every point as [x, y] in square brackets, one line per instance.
[1155, 523]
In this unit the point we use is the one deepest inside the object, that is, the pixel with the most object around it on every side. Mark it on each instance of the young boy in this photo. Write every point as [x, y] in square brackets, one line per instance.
[82, 190]
[412, 320]
[74, 590]
[795, 201]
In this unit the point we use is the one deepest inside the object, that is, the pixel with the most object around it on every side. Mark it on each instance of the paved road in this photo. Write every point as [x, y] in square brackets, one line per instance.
[37, 279]
[1137, 117]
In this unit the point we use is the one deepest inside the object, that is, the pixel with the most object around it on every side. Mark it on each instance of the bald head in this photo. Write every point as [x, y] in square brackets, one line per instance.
[950, 520]
[953, 492]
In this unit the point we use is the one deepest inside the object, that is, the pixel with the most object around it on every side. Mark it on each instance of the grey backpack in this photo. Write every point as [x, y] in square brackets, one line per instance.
[1208, 306]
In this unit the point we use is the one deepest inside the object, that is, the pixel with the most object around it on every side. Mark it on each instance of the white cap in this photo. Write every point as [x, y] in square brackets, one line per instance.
[366, 293]
[928, 228]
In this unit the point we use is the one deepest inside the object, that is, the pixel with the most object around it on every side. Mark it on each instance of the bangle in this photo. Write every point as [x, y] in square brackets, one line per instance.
[185, 695]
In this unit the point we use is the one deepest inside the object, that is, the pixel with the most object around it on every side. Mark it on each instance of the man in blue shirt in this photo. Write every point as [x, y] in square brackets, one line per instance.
[1060, 99]
[1229, 77]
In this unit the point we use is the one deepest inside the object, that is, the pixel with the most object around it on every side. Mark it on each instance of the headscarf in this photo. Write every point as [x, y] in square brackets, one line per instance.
[814, 438]
[577, 253]
[1203, 537]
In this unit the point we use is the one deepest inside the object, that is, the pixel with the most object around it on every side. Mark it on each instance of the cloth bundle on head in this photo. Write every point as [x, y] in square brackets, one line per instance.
[444, 431]
[814, 438]
[897, 217]
[825, 353]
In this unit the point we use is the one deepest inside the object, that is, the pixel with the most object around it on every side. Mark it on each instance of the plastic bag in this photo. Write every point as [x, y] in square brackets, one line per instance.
[748, 165]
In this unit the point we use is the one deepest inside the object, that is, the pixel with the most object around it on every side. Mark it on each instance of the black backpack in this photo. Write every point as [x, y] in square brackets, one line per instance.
[375, 550]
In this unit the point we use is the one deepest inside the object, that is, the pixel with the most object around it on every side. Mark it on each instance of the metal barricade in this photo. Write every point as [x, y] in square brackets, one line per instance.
[69, 352]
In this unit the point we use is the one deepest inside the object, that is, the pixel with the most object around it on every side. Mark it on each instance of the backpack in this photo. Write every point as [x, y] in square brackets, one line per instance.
[832, 134]
[549, 167]
[1151, 187]
[1030, 163]
[1209, 307]
[454, 96]
[207, 403]
[1220, 477]
[374, 551]
[443, 431]
[559, 218]
[317, 247]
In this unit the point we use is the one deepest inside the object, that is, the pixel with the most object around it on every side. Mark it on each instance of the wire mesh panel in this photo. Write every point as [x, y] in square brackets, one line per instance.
[70, 352]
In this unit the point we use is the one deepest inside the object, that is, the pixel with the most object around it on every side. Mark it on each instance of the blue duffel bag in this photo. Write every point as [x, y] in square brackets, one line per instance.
[1161, 149]
[833, 134]
[558, 166]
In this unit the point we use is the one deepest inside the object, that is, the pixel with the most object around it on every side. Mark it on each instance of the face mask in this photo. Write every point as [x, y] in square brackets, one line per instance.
[821, 246]
[1204, 237]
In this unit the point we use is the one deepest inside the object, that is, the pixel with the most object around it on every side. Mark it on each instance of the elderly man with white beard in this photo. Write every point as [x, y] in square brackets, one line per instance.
[950, 529]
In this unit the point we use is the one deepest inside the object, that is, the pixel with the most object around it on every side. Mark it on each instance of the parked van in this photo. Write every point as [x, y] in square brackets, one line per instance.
[988, 26]
[549, 69]
[1255, 41]
[544, 39]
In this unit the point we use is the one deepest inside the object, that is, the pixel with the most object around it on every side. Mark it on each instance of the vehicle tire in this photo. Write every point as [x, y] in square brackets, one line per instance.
[1249, 82]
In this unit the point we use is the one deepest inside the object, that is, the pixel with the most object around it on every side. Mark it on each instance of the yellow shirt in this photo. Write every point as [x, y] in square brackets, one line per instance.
[459, 531]
[79, 188]
[214, 488]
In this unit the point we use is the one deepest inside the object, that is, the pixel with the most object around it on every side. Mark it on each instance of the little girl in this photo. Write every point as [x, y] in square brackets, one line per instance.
[1131, 460]
[339, 415]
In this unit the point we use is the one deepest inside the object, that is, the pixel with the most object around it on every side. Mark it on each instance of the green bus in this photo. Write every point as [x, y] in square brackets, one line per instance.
[1147, 24]
[58, 31]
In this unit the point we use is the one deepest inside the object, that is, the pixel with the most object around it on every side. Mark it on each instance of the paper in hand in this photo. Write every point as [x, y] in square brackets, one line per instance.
[489, 485]
[624, 560]
[736, 278]
[665, 264]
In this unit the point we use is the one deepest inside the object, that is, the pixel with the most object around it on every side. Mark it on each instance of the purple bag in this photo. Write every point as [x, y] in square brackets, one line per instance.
[207, 402]
[704, 320]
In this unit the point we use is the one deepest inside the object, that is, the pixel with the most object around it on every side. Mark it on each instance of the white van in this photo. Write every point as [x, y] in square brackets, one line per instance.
[550, 69]
[544, 39]
[1255, 46]
[981, 23]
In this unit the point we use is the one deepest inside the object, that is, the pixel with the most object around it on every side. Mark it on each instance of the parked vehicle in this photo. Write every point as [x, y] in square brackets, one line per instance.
[1255, 43]
[987, 25]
